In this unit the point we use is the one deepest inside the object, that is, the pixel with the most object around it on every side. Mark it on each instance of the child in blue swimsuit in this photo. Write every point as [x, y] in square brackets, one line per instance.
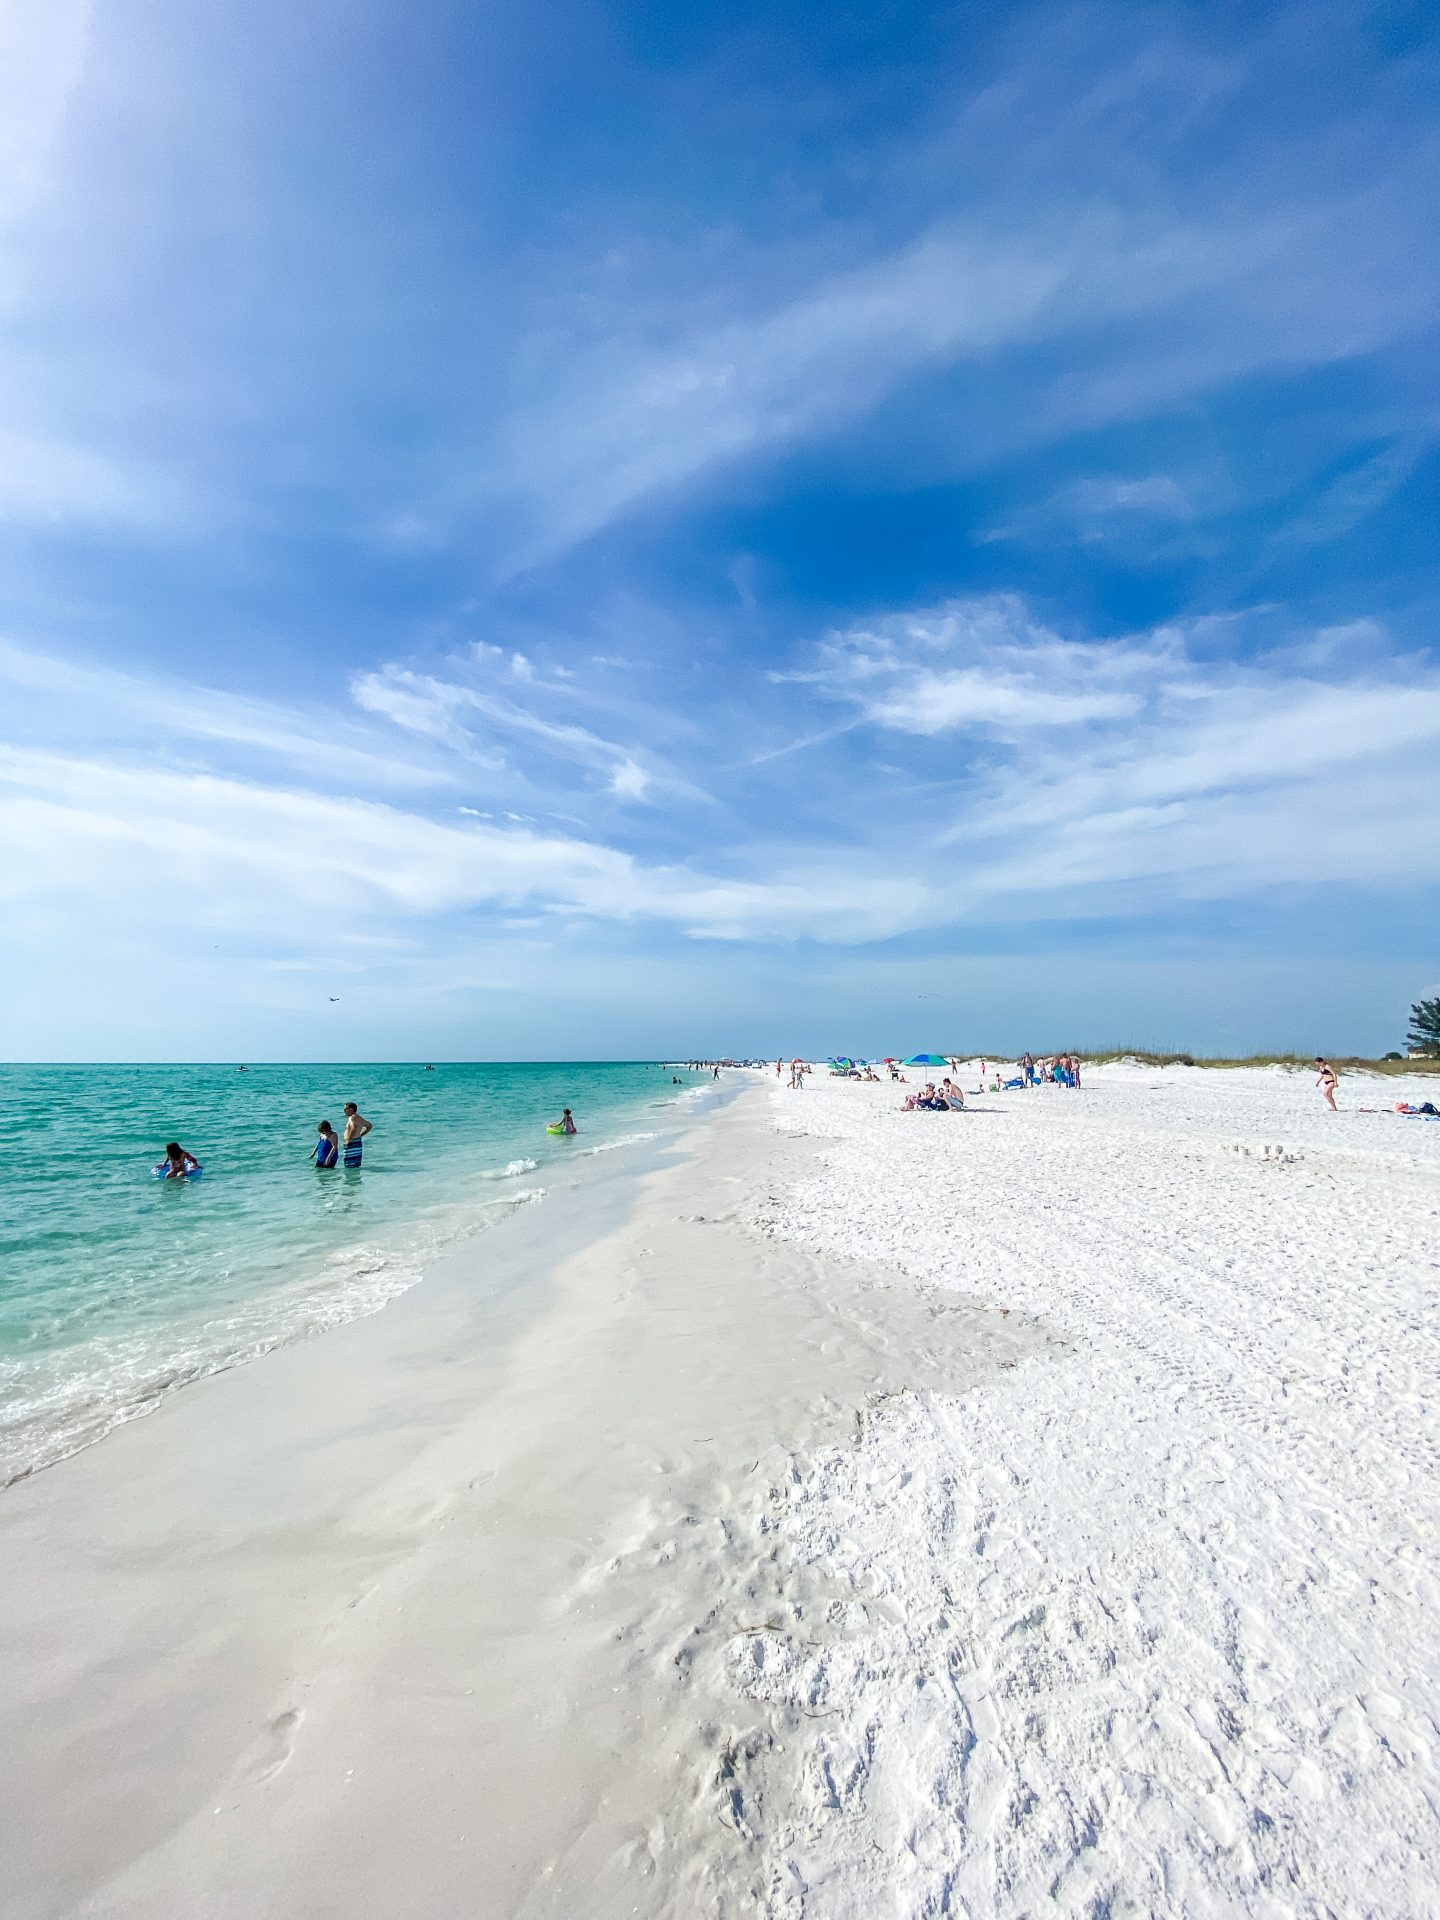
[326, 1151]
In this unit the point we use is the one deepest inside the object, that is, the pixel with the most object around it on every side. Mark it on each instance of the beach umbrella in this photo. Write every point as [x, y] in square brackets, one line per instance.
[928, 1060]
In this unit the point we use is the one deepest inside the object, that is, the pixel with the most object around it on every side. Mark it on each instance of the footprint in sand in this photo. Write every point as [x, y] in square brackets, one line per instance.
[276, 1746]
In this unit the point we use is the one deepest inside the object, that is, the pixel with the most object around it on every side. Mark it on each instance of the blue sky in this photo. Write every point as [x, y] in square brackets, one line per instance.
[636, 530]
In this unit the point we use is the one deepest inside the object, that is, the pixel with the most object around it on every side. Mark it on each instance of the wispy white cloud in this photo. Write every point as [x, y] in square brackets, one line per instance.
[1350, 498]
[470, 716]
[118, 831]
[1152, 311]
[42, 59]
[52, 469]
[630, 781]
[615, 435]
[1127, 775]
[64, 700]
[47, 480]
[1103, 507]
[980, 665]
[1156, 493]
[167, 846]
[1118, 777]
[1249, 730]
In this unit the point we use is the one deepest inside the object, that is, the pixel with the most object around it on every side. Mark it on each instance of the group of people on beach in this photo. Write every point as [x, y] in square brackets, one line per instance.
[330, 1150]
[1059, 1069]
[333, 1149]
[946, 1098]
[798, 1071]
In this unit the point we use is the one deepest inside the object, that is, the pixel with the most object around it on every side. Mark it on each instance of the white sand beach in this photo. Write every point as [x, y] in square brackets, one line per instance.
[1148, 1623]
[867, 1514]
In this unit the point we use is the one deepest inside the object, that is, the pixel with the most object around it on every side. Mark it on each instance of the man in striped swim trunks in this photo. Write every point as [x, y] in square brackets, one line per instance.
[356, 1128]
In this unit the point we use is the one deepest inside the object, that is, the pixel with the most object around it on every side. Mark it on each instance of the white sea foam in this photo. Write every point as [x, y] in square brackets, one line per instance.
[115, 1379]
[511, 1170]
[109, 1381]
[609, 1146]
[522, 1197]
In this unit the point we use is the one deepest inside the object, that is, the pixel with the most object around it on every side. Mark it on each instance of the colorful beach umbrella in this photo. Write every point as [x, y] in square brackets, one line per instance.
[928, 1060]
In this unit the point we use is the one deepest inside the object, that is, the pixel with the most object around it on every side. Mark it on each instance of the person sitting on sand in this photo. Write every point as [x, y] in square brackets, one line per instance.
[1327, 1082]
[326, 1150]
[951, 1092]
[177, 1163]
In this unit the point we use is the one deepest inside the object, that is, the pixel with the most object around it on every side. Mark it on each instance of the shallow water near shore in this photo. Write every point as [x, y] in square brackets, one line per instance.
[115, 1288]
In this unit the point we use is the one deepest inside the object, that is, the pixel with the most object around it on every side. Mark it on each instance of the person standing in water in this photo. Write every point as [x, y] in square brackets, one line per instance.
[356, 1128]
[1327, 1082]
[326, 1151]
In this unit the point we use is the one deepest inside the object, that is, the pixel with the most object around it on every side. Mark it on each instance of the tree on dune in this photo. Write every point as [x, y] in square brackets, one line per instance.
[1424, 1034]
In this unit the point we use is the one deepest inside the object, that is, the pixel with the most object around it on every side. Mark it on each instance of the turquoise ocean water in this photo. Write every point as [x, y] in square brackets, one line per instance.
[115, 1288]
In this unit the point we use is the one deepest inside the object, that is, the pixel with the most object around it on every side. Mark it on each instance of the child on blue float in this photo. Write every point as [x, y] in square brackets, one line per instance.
[177, 1164]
